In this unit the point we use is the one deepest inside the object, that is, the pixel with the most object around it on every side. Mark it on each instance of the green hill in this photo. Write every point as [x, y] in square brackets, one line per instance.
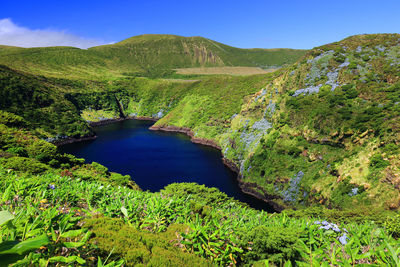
[172, 51]
[145, 55]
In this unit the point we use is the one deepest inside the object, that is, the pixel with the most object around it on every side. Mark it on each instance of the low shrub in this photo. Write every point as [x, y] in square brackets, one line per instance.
[139, 247]
[392, 225]
[377, 162]
[23, 164]
[199, 194]
[11, 120]
[41, 150]
[277, 244]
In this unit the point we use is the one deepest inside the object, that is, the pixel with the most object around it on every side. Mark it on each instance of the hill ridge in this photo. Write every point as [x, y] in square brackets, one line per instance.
[143, 55]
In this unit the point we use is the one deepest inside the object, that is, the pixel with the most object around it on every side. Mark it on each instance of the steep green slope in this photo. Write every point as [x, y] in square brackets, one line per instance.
[170, 51]
[43, 107]
[59, 62]
[203, 100]
[145, 55]
[326, 130]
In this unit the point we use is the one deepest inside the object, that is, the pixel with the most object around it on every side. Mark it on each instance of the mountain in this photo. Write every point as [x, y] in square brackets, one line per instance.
[144, 55]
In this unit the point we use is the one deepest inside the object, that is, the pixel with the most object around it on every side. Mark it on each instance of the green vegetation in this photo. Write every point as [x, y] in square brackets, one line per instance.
[70, 212]
[59, 219]
[322, 136]
[40, 106]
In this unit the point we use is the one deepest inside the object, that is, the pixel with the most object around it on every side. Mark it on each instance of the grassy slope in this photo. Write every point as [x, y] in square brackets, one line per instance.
[200, 51]
[59, 62]
[342, 140]
[216, 97]
[146, 55]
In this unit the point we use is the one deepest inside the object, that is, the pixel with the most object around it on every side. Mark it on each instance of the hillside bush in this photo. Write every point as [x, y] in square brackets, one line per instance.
[41, 150]
[392, 225]
[141, 247]
[378, 162]
[276, 244]
[11, 119]
[199, 194]
[23, 164]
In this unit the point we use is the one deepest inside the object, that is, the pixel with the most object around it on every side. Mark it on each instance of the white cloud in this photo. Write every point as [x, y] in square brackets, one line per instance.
[14, 35]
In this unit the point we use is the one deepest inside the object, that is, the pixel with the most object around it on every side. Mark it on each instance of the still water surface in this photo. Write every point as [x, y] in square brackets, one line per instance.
[155, 159]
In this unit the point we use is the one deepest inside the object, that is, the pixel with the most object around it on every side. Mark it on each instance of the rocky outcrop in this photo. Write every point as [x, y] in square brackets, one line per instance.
[120, 107]
[70, 140]
[231, 165]
[108, 121]
[257, 191]
[252, 188]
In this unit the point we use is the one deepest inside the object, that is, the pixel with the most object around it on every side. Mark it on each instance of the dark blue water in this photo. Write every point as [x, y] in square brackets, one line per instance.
[155, 159]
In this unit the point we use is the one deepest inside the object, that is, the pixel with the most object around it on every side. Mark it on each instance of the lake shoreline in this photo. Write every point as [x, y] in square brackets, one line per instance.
[246, 187]
[70, 140]
[188, 132]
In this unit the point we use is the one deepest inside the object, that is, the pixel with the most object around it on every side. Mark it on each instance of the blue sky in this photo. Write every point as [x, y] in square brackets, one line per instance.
[246, 24]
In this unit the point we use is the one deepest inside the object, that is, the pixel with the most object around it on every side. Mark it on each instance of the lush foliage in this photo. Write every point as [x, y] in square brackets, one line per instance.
[42, 107]
[67, 219]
